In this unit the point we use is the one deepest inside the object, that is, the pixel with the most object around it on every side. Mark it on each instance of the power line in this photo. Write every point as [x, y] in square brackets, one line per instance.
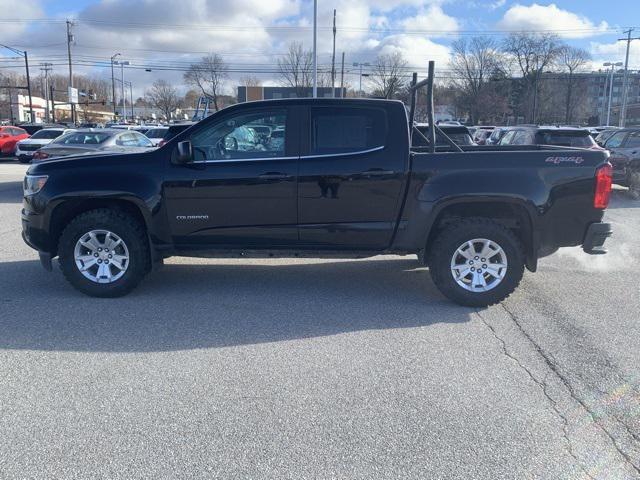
[203, 26]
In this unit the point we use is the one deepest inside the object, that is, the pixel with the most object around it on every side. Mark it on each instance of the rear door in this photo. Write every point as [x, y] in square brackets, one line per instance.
[351, 176]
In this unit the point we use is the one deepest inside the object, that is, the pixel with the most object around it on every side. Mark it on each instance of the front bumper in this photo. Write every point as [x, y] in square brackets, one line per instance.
[33, 232]
[594, 239]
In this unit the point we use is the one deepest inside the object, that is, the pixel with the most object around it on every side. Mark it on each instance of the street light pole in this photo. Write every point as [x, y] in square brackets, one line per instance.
[26, 64]
[69, 40]
[360, 65]
[113, 86]
[613, 66]
[315, 48]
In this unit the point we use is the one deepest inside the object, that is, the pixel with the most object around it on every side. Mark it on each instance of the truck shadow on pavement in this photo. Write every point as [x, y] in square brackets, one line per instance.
[10, 192]
[219, 305]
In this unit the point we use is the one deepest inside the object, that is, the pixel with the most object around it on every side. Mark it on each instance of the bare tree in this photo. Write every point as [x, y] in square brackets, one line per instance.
[571, 59]
[164, 97]
[208, 76]
[296, 69]
[532, 53]
[250, 81]
[388, 75]
[474, 62]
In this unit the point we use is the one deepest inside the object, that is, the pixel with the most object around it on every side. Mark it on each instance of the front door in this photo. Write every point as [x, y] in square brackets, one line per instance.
[241, 189]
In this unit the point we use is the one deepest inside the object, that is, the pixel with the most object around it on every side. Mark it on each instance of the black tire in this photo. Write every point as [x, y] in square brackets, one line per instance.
[24, 160]
[452, 237]
[132, 233]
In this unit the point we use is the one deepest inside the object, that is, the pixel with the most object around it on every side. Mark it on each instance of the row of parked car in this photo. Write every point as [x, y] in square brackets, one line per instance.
[623, 144]
[59, 140]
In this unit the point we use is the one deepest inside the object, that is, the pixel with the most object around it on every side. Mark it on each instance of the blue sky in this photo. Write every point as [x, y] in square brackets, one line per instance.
[254, 33]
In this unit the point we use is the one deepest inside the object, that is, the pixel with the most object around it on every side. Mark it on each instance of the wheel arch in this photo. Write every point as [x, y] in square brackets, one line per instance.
[510, 212]
[66, 210]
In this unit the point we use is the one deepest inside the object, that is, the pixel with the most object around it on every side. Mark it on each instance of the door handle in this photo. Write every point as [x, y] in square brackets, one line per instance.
[378, 172]
[274, 176]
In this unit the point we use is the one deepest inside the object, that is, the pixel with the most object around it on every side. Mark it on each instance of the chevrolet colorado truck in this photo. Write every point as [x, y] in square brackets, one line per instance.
[329, 178]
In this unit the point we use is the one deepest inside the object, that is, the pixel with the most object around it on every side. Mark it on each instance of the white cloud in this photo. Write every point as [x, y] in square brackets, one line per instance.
[431, 19]
[249, 33]
[615, 52]
[22, 9]
[550, 18]
[416, 50]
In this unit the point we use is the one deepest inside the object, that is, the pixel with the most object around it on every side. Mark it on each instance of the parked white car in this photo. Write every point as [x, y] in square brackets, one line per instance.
[27, 147]
[156, 134]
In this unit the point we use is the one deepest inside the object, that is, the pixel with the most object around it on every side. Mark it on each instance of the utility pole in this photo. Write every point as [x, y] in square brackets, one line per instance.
[131, 98]
[625, 81]
[342, 78]
[69, 40]
[333, 58]
[46, 68]
[124, 98]
[315, 48]
[113, 86]
[53, 104]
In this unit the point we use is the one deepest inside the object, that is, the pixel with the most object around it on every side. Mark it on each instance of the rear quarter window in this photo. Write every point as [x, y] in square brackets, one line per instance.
[347, 130]
[566, 139]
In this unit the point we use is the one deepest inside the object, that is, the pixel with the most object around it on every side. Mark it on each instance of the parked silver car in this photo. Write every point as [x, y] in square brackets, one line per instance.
[94, 141]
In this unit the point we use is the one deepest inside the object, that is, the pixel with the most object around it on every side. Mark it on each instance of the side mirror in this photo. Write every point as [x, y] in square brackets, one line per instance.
[230, 143]
[185, 152]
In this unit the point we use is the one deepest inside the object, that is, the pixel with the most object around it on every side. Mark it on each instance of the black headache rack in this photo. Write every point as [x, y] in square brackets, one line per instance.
[433, 128]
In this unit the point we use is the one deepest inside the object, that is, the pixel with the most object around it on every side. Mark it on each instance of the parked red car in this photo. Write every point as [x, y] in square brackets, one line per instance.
[9, 136]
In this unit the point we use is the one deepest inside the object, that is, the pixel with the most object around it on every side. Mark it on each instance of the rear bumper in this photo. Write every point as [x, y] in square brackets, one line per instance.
[594, 239]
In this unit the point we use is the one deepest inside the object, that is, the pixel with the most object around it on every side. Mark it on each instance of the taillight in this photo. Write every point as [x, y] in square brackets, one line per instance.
[38, 155]
[162, 143]
[604, 177]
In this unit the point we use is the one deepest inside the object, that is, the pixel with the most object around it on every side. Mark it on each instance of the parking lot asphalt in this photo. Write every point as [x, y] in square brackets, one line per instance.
[320, 369]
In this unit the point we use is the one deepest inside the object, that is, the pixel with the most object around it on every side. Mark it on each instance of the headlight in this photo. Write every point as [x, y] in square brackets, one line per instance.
[33, 184]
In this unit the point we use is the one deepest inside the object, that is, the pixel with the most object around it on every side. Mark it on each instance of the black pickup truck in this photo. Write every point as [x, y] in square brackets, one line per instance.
[335, 178]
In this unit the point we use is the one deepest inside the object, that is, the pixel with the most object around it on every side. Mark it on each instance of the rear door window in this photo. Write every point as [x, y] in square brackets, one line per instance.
[347, 130]
[633, 141]
[616, 140]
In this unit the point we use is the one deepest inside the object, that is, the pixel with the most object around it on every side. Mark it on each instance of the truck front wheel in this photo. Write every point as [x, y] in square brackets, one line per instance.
[104, 253]
[476, 262]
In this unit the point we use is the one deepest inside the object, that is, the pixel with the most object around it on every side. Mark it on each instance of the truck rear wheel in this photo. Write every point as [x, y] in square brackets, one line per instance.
[476, 262]
[104, 253]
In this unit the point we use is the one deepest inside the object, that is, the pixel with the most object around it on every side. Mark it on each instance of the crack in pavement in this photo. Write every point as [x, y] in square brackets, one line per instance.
[553, 366]
[543, 386]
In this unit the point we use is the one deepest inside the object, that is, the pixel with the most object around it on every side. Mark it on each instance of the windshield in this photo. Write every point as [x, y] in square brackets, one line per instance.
[83, 138]
[47, 134]
[458, 138]
[156, 133]
[567, 139]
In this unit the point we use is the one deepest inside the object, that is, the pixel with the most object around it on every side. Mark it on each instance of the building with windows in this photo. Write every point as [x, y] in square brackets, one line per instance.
[598, 94]
[251, 94]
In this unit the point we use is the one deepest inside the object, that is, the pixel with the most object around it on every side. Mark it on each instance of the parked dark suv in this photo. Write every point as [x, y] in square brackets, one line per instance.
[545, 135]
[624, 146]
